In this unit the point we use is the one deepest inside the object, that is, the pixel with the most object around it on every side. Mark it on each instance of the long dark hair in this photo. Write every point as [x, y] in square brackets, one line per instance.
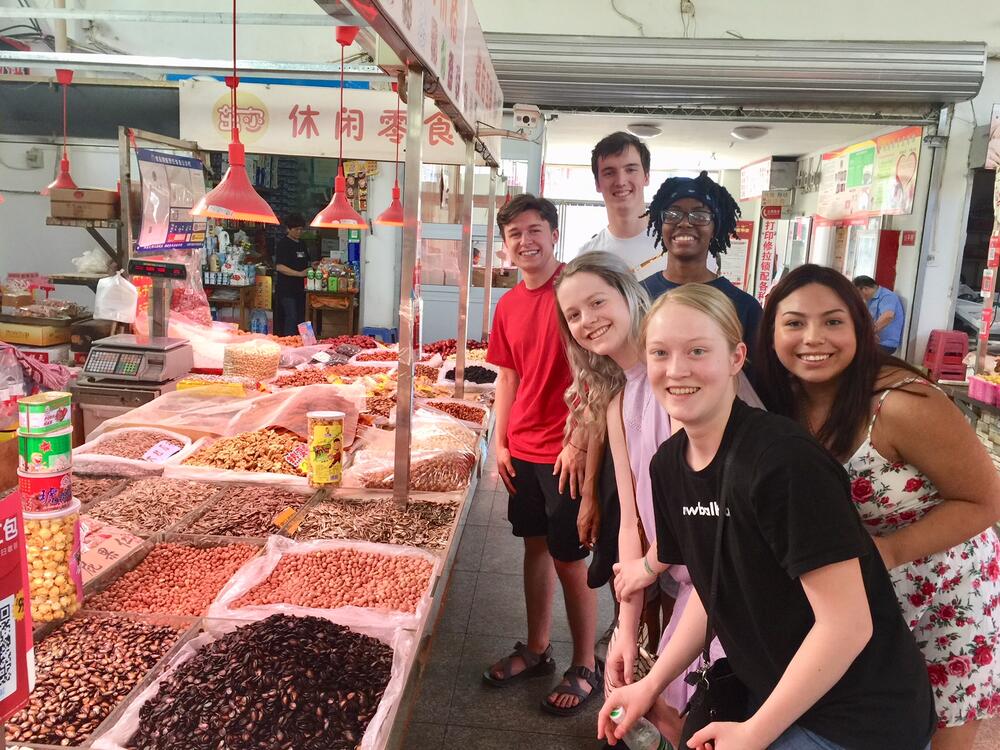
[777, 387]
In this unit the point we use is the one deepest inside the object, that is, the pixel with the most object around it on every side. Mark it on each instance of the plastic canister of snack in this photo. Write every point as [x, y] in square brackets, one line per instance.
[45, 492]
[45, 453]
[326, 447]
[53, 546]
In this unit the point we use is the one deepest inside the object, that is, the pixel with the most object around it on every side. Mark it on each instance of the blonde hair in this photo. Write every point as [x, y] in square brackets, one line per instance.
[596, 378]
[704, 299]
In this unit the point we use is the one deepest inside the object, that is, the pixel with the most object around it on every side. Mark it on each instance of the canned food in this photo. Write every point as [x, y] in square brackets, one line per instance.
[44, 413]
[41, 454]
[326, 447]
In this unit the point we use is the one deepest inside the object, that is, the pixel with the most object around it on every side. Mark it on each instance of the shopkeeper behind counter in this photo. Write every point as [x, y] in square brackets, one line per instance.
[291, 261]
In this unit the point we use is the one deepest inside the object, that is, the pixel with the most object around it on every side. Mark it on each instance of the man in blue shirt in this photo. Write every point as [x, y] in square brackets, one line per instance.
[886, 310]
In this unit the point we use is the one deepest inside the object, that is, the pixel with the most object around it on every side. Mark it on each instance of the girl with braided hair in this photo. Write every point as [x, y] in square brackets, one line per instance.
[691, 218]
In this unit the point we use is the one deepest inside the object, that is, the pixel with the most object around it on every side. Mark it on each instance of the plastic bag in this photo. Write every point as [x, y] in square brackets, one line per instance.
[375, 736]
[429, 431]
[430, 471]
[94, 260]
[257, 570]
[117, 299]
[84, 457]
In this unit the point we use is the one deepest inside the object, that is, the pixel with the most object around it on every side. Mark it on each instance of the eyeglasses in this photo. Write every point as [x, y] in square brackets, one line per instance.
[698, 218]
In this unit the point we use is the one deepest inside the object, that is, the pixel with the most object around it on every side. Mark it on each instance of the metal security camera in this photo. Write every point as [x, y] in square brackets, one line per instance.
[527, 116]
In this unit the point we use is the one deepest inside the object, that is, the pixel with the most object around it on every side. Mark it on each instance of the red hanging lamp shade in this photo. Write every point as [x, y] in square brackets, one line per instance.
[234, 198]
[393, 215]
[339, 214]
[63, 180]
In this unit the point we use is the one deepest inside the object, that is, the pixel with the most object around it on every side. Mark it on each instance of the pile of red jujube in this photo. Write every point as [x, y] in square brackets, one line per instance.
[447, 347]
[177, 579]
[328, 579]
[365, 342]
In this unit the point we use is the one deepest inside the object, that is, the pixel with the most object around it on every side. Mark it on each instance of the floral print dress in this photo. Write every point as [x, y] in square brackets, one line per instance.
[950, 599]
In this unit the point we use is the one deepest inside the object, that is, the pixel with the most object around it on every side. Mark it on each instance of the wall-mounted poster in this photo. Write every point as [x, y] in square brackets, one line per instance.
[871, 178]
[171, 185]
[735, 264]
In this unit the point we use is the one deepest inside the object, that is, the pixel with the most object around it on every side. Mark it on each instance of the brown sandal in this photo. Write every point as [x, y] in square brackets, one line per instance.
[535, 665]
[590, 677]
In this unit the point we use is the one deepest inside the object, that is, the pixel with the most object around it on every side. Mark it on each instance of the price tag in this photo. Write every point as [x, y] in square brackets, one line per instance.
[161, 451]
[297, 456]
[283, 517]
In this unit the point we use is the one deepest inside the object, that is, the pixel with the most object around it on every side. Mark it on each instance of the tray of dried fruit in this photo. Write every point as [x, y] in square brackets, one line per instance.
[87, 669]
[272, 455]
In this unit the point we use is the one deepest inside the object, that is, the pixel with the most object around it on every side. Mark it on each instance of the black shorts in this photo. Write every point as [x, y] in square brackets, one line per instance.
[606, 548]
[539, 509]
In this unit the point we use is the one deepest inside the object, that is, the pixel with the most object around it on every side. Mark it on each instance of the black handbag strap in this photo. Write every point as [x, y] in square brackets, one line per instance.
[724, 492]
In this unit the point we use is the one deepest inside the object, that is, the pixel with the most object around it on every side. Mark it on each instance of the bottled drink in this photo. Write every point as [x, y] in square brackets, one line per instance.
[310, 278]
[643, 735]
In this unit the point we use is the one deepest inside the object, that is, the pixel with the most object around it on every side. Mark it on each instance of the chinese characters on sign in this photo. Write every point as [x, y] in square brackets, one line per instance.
[767, 246]
[171, 185]
[15, 611]
[307, 121]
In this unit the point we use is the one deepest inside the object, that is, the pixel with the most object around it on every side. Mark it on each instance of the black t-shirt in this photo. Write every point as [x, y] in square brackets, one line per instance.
[790, 513]
[747, 307]
[292, 254]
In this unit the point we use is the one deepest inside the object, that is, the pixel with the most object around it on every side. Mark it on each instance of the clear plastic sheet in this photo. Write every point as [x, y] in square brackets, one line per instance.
[199, 411]
[84, 456]
[402, 643]
[430, 471]
[429, 431]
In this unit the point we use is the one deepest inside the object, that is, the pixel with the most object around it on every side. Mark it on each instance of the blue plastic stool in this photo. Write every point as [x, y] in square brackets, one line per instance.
[385, 335]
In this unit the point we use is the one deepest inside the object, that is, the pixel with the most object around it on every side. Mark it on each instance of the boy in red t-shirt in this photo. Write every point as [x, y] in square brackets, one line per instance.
[541, 471]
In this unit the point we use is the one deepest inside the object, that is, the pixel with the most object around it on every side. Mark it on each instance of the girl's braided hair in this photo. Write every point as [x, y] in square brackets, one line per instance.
[725, 211]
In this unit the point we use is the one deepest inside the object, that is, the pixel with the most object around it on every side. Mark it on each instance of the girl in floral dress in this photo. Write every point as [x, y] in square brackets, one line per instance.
[922, 482]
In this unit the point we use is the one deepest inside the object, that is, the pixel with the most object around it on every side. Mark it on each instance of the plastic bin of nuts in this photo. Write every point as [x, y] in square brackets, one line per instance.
[151, 505]
[53, 553]
[107, 659]
[261, 457]
[172, 574]
[357, 582]
[350, 678]
[257, 360]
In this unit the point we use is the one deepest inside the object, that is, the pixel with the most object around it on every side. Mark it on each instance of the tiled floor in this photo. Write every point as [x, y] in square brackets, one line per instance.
[481, 617]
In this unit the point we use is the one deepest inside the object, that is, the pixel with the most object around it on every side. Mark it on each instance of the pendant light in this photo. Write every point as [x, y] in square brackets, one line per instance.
[339, 214]
[64, 180]
[235, 198]
[393, 215]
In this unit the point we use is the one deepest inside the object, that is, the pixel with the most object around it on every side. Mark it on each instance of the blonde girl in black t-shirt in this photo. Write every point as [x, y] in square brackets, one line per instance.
[805, 609]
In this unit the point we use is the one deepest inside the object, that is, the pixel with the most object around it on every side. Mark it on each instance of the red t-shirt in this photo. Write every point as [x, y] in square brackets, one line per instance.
[525, 338]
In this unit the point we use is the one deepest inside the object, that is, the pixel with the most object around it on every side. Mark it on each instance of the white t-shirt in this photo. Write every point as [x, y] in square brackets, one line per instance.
[634, 251]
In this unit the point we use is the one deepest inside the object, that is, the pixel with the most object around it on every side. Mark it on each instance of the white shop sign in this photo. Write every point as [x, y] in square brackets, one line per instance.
[304, 121]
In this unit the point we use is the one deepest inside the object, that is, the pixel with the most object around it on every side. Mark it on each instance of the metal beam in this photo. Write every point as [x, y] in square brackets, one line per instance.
[465, 267]
[408, 296]
[171, 16]
[491, 218]
[155, 65]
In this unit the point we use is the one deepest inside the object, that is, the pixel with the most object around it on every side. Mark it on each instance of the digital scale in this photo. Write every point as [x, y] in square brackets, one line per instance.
[138, 359]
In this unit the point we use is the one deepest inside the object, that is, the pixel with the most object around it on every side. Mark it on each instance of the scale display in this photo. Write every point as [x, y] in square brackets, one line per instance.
[157, 269]
[112, 363]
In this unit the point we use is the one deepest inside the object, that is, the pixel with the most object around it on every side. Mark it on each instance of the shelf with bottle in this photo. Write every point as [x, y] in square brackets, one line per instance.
[334, 277]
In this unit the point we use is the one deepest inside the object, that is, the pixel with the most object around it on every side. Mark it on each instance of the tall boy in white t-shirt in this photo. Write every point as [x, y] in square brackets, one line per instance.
[620, 163]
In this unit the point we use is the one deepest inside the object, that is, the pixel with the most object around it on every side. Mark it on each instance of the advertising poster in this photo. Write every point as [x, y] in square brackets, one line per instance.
[16, 657]
[171, 185]
[871, 178]
[768, 258]
[993, 147]
[736, 262]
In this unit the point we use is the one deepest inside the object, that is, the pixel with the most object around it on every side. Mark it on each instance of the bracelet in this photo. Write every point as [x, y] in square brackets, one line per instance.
[645, 564]
[582, 450]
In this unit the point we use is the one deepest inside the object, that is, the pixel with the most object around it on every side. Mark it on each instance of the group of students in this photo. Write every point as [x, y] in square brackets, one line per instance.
[857, 580]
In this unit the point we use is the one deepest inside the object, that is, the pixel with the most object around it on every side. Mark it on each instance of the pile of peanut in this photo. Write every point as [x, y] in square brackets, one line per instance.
[261, 450]
[178, 579]
[465, 412]
[341, 578]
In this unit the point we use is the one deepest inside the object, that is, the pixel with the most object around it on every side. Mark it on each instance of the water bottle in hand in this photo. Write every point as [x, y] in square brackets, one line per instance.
[643, 735]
